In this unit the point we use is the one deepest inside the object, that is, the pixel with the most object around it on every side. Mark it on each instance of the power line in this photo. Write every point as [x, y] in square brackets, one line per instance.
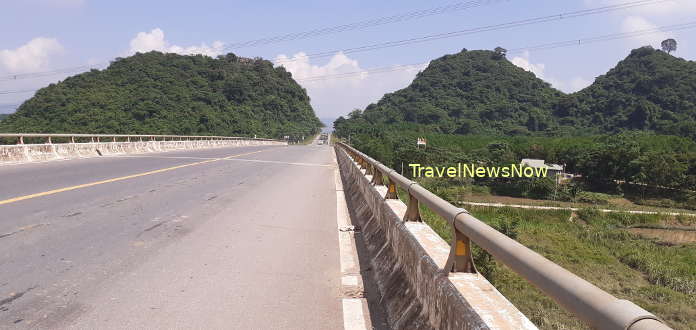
[547, 46]
[29, 75]
[363, 24]
[18, 91]
[404, 42]
[296, 36]
[488, 28]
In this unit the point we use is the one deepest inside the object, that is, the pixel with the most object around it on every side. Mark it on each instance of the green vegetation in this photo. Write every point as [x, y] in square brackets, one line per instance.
[157, 93]
[658, 277]
[631, 136]
[480, 92]
[610, 165]
[649, 90]
[473, 92]
[3, 116]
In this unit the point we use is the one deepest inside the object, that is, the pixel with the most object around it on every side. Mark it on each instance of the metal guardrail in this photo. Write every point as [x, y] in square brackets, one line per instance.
[594, 306]
[127, 137]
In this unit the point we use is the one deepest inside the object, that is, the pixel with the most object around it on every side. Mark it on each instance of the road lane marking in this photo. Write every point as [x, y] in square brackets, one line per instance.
[353, 314]
[86, 185]
[235, 159]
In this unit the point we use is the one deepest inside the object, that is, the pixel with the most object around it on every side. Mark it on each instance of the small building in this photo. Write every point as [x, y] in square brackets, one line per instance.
[553, 170]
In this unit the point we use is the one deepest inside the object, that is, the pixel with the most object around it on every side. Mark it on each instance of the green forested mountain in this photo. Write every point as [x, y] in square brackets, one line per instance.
[3, 116]
[649, 90]
[157, 93]
[480, 92]
[470, 92]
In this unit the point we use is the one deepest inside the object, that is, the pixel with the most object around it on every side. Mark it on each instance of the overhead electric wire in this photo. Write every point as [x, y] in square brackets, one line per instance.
[297, 36]
[554, 45]
[363, 24]
[18, 91]
[488, 28]
[543, 19]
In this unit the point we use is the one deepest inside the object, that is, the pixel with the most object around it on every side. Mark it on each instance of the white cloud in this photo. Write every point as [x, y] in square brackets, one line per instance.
[32, 56]
[538, 69]
[154, 40]
[578, 83]
[335, 96]
[524, 63]
[636, 23]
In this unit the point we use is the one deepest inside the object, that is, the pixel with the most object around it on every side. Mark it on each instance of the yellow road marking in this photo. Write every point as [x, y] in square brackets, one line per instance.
[55, 191]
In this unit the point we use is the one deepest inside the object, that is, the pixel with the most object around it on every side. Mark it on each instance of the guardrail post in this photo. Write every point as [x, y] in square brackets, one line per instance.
[72, 139]
[21, 140]
[460, 259]
[377, 178]
[49, 140]
[127, 138]
[412, 210]
[113, 139]
[369, 169]
[391, 191]
[98, 140]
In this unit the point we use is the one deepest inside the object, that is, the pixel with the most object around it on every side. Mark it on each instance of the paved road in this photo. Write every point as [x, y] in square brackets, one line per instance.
[239, 238]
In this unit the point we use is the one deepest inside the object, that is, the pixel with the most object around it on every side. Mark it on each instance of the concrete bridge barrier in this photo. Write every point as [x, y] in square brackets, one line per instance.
[104, 145]
[427, 283]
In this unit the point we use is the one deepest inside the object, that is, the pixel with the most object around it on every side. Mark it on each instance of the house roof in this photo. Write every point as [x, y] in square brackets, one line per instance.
[540, 163]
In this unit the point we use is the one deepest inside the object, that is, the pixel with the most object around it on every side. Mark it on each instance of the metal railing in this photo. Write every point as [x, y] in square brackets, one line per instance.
[592, 305]
[122, 137]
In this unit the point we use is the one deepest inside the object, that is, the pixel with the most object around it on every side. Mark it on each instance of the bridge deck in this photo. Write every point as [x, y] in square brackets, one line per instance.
[217, 238]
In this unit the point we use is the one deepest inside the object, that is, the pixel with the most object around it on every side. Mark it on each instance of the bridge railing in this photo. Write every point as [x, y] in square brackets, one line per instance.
[71, 138]
[594, 306]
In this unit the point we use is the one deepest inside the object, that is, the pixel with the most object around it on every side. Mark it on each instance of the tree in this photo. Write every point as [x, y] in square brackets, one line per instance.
[500, 51]
[669, 45]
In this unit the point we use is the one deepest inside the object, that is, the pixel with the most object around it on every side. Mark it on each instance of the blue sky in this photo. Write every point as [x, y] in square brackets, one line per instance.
[44, 35]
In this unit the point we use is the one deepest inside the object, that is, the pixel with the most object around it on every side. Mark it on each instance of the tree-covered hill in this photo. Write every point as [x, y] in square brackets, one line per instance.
[470, 92]
[481, 92]
[649, 90]
[155, 93]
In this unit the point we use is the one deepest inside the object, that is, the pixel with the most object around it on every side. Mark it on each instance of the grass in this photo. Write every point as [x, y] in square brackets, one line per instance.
[594, 245]
[613, 204]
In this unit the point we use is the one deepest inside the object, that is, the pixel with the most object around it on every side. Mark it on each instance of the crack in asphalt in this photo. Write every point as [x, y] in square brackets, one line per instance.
[15, 296]
[22, 229]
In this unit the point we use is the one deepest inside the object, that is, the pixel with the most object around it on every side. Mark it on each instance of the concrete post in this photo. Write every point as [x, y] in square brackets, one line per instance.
[412, 210]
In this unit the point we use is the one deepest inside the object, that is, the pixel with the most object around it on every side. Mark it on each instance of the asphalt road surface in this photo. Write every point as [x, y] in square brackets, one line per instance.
[235, 238]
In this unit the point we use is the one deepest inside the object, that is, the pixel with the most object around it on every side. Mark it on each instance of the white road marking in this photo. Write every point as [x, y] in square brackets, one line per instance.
[350, 280]
[239, 159]
[353, 316]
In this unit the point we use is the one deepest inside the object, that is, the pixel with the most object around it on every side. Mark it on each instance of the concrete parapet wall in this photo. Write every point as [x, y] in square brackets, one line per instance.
[409, 258]
[25, 153]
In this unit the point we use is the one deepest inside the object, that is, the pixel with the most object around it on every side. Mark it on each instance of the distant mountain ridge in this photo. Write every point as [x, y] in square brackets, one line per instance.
[649, 90]
[156, 93]
[480, 92]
